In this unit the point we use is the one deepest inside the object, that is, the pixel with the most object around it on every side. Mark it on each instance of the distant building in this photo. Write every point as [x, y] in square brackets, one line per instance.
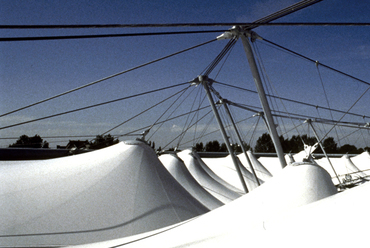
[76, 144]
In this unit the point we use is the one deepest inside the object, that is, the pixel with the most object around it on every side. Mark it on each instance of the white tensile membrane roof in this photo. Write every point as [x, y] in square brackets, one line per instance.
[351, 167]
[114, 192]
[362, 161]
[260, 169]
[178, 170]
[214, 175]
[357, 166]
[299, 207]
[342, 166]
[214, 185]
[225, 168]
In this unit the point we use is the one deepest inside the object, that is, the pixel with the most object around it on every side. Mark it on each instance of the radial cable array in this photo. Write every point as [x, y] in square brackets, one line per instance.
[106, 78]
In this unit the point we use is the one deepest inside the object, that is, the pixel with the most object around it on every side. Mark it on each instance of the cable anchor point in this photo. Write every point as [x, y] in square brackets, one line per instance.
[232, 33]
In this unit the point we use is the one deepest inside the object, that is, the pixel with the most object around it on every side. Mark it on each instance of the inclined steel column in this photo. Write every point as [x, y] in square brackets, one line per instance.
[263, 99]
[225, 103]
[309, 121]
[204, 80]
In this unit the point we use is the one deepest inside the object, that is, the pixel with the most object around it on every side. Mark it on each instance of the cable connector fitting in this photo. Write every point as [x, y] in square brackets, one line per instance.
[198, 80]
[230, 34]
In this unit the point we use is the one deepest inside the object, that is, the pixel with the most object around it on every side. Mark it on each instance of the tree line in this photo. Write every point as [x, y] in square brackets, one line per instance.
[215, 146]
[30, 142]
[263, 144]
[294, 144]
[36, 141]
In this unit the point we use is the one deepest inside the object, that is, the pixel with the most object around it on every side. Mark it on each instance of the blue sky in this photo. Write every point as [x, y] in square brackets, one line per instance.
[34, 70]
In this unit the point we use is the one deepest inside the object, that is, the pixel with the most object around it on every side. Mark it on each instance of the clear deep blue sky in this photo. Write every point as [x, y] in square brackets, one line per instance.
[35, 70]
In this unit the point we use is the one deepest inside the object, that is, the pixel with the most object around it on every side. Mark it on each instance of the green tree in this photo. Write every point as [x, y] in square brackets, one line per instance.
[309, 140]
[295, 144]
[351, 149]
[223, 147]
[199, 147]
[212, 146]
[264, 144]
[246, 146]
[30, 142]
[102, 141]
[238, 148]
[330, 146]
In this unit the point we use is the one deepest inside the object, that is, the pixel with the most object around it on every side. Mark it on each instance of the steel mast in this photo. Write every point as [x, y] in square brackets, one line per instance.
[262, 95]
[309, 121]
[244, 35]
[245, 31]
[205, 81]
[225, 103]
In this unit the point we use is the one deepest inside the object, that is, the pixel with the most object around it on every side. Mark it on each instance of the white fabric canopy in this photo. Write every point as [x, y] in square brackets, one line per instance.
[260, 218]
[178, 170]
[260, 169]
[357, 166]
[300, 156]
[196, 169]
[342, 167]
[272, 164]
[109, 193]
[225, 168]
[362, 161]
[351, 167]
[214, 175]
